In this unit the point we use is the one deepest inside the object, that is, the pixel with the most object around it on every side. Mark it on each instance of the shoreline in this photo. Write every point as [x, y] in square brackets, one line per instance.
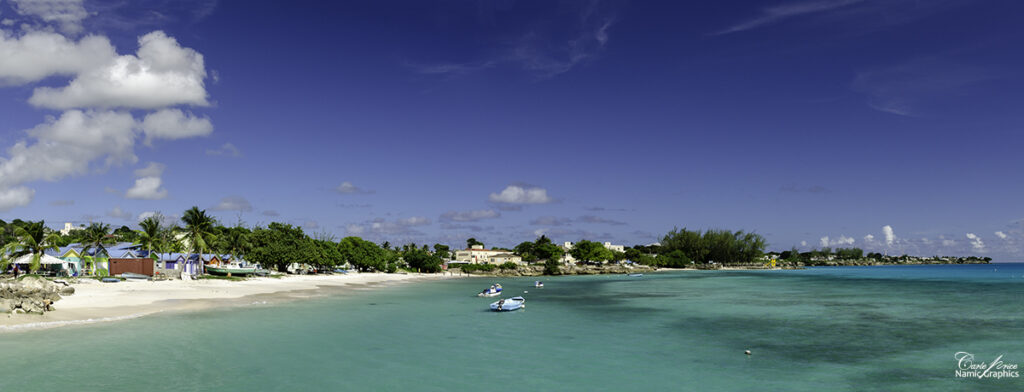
[95, 302]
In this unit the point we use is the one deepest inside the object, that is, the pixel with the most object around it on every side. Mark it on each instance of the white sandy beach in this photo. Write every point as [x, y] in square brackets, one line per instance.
[94, 301]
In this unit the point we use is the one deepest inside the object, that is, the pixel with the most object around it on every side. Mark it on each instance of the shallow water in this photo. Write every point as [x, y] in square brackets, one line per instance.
[836, 329]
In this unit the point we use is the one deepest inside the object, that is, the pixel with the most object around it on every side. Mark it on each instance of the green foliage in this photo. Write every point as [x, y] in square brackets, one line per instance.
[325, 254]
[421, 260]
[849, 253]
[279, 245]
[472, 241]
[587, 251]
[102, 272]
[442, 251]
[720, 246]
[508, 266]
[363, 255]
[199, 230]
[30, 238]
[526, 251]
[552, 267]
[470, 268]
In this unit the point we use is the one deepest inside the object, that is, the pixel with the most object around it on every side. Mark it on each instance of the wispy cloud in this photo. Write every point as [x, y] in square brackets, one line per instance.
[469, 216]
[347, 188]
[521, 194]
[233, 203]
[779, 13]
[227, 149]
[919, 86]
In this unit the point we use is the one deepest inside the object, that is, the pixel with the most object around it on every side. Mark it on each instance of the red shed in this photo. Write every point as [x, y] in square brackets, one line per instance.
[138, 266]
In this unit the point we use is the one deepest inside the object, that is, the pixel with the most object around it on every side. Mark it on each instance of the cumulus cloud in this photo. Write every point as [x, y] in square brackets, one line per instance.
[346, 188]
[469, 216]
[90, 137]
[1001, 235]
[233, 203]
[841, 241]
[67, 146]
[890, 236]
[174, 124]
[869, 238]
[515, 194]
[15, 197]
[147, 186]
[227, 149]
[66, 14]
[976, 242]
[39, 54]
[161, 74]
[146, 214]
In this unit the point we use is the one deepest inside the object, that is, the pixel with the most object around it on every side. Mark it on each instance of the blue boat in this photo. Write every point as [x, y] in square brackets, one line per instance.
[508, 305]
[493, 291]
[110, 280]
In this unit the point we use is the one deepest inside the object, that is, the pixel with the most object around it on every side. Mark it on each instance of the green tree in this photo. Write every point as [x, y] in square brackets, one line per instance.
[363, 255]
[422, 260]
[442, 251]
[199, 232]
[149, 235]
[587, 251]
[280, 245]
[472, 241]
[94, 238]
[525, 250]
[30, 238]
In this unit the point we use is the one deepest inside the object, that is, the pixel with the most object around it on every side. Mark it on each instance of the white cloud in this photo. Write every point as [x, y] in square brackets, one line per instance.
[118, 213]
[353, 229]
[174, 124]
[469, 216]
[145, 215]
[976, 242]
[841, 241]
[550, 221]
[890, 236]
[778, 13]
[162, 74]
[67, 14]
[39, 54]
[233, 203]
[67, 146]
[515, 194]
[1001, 235]
[153, 169]
[869, 238]
[15, 197]
[414, 221]
[803, 243]
[227, 149]
[346, 188]
[147, 188]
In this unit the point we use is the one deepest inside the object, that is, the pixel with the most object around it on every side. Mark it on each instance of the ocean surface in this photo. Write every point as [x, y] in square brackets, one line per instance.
[820, 329]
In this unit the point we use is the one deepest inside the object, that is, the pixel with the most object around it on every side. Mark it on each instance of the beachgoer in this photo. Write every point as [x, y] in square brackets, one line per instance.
[16, 270]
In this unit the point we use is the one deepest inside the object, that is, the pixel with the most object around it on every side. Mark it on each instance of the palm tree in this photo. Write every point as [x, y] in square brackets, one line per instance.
[95, 237]
[149, 236]
[29, 238]
[198, 232]
[235, 241]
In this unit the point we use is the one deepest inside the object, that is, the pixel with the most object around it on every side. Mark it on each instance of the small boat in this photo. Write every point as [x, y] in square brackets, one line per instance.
[508, 305]
[538, 284]
[110, 280]
[493, 291]
[132, 275]
[636, 275]
[225, 270]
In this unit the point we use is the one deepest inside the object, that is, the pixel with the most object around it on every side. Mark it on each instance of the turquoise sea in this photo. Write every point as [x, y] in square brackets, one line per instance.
[820, 329]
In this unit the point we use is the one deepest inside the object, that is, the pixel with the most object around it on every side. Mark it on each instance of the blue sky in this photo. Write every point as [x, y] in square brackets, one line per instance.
[889, 125]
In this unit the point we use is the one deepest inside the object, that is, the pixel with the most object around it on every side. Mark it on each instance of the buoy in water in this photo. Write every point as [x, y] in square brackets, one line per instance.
[747, 352]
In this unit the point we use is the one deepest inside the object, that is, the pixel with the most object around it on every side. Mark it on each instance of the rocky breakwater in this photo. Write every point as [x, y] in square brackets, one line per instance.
[31, 295]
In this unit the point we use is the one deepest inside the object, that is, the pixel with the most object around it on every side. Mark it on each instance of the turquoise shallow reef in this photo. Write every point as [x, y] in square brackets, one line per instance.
[895, 328]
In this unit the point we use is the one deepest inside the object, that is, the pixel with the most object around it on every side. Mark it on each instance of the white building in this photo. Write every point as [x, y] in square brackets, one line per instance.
[68, 228]
[478, 255]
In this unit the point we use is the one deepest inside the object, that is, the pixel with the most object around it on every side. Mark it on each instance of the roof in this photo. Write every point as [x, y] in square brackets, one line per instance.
[46, 259]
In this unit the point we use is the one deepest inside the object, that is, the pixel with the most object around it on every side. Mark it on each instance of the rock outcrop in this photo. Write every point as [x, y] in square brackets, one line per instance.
[31, 295]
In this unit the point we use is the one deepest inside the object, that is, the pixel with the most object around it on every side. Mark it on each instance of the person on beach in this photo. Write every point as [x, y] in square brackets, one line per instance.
[16, 271]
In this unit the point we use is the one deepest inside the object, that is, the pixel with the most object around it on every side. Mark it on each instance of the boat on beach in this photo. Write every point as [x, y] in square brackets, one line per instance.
[508, 305]
[493, 291]
[132, 275]
[229, 270]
